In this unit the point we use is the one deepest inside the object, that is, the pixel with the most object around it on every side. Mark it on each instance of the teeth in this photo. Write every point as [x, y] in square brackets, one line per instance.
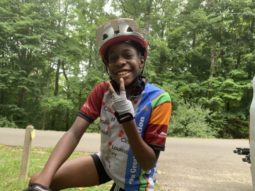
[122, 73]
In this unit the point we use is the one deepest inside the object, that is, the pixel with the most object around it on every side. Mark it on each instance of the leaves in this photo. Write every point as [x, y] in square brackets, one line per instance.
[190, 121]
[201, 52]
[56, 103]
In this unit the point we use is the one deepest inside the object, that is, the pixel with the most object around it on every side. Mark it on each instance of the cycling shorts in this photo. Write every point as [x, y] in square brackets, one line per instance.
[103, 176]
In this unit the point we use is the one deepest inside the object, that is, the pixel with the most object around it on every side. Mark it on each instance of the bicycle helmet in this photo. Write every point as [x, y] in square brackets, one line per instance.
[116, 31]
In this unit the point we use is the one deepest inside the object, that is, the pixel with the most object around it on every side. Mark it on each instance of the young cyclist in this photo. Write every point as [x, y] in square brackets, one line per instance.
[134, 117]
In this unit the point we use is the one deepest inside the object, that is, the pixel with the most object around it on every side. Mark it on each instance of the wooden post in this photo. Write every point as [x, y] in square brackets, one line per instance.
[252, 135]
[26, 151]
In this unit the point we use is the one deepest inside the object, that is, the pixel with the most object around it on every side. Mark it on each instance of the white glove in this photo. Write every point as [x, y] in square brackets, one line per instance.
[124, 110]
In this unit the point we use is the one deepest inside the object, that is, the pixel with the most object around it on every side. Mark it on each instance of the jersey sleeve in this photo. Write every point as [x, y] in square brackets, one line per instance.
[156, 131]
[91, 108]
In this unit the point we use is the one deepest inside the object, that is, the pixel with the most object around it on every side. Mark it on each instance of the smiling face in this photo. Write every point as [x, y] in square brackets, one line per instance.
[124, 61]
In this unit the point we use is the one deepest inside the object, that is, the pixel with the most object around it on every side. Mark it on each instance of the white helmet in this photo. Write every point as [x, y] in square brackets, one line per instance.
[116, 31]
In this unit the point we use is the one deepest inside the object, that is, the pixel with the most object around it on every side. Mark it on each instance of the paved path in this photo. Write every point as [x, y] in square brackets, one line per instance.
[186, 165]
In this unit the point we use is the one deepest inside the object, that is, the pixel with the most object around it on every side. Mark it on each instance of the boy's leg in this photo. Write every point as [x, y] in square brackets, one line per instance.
[80, 172]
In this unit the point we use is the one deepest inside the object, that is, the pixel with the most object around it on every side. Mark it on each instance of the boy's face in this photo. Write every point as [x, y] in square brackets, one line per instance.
[124, 61]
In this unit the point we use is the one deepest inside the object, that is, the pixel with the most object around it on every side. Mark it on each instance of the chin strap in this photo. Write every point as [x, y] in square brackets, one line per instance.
[133, 89]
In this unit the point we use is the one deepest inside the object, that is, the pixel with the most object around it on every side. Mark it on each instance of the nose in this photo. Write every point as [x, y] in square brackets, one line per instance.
[120, 61]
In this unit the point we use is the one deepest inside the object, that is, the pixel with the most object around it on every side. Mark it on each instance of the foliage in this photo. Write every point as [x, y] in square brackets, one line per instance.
[201, 52]
[54, 103]
[4, 122]
[190, 121]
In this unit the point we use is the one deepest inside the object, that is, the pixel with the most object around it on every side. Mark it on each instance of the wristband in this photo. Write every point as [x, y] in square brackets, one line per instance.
[123, 117]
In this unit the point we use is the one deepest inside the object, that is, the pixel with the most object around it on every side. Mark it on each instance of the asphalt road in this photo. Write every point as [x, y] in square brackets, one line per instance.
[186, 165]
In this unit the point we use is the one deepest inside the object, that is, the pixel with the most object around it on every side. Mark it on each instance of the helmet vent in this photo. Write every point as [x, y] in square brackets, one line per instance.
[117, 32]
[129, 29]
[105, 36]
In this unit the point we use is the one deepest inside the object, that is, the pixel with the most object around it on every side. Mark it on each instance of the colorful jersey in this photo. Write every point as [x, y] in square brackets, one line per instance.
[152, 115]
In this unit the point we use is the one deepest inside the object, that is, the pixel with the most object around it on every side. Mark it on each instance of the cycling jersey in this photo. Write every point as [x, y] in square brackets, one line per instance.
[152, 115]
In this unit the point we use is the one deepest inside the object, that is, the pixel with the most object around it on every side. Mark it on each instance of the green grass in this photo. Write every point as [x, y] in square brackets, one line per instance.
[10, 164]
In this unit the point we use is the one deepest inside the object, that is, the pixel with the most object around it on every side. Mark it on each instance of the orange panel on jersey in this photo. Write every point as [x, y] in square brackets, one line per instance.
[161, 114]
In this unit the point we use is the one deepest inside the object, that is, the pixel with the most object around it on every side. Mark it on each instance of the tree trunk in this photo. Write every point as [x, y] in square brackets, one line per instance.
[67, 114]
[238, 60]
[56, 92]
[194, 39]
[213, 62]
[56, 88]
[147, 17]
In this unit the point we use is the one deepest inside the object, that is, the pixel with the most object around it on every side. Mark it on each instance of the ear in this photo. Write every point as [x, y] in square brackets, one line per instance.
[106, 68]
[142, 62]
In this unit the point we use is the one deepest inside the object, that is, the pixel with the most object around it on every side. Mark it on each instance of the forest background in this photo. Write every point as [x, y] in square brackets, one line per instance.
[201, 51]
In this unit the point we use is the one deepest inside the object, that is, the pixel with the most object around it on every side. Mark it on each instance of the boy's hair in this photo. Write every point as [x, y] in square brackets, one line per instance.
[117, 31]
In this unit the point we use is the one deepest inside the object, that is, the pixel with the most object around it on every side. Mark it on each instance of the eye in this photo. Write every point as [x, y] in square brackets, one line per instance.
[112, 58]
[128, 55]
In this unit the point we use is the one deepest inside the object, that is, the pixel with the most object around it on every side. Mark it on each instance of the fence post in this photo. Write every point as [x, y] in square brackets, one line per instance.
[29, 134]
[252, 135]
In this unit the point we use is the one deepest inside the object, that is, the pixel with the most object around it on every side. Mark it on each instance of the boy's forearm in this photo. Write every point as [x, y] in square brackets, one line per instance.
[62, 151]
[144, 154]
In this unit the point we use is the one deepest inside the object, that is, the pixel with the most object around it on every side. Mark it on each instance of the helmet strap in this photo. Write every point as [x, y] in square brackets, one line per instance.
[132, 90]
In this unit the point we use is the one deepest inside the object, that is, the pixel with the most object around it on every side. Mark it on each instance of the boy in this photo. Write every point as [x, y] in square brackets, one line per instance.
[134, 117]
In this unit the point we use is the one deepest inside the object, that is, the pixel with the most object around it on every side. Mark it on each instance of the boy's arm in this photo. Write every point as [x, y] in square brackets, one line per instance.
[144, 154]
[61, 152]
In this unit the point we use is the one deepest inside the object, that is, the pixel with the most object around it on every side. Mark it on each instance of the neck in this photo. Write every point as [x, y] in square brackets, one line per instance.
[134, 89]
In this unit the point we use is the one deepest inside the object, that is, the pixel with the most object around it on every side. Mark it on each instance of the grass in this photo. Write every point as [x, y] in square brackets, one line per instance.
[10, 163]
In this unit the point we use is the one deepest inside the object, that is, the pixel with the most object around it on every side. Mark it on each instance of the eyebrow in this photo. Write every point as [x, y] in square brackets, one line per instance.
[124, 50]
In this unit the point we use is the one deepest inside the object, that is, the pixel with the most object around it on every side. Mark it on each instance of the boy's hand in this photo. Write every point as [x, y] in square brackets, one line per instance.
[37, 187]
[123, 107]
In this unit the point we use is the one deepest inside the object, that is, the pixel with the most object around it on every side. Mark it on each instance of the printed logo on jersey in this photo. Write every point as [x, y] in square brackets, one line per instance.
[133, 171]
[140, 124]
